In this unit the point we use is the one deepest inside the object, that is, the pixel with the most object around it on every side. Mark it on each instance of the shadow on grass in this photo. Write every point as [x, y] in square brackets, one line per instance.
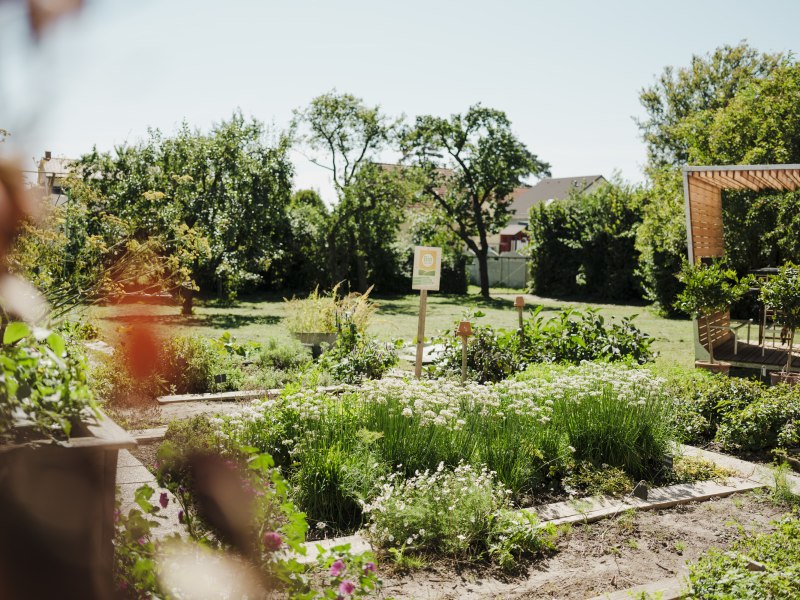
[217, 321]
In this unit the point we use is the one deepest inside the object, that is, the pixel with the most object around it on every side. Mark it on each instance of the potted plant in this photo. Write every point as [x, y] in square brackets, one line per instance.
[58, 463]
[317, 319]
[709, 289]
[782, 293]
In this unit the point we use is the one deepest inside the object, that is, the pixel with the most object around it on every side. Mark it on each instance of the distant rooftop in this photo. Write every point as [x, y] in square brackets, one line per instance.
[554, 188]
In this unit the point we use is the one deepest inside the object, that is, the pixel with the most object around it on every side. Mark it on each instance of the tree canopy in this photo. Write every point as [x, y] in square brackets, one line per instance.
[469, 166]
[682, 103]
[206, 210]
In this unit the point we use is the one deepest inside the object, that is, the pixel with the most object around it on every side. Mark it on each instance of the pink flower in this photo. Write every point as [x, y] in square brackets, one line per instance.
[347, 587]
[272, 541]
[337, 568]
[370, 567]
[142, 541]
[163, 500]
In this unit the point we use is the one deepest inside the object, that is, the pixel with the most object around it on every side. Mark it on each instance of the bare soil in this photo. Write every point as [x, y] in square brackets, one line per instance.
[606, 556]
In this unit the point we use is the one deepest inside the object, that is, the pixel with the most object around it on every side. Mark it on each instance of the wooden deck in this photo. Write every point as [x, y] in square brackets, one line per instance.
[749, 355]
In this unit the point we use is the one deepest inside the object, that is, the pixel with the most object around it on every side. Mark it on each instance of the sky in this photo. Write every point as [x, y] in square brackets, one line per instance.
[566, 72]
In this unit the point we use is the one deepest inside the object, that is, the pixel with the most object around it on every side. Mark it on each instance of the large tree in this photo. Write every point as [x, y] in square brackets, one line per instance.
[208, 208]
[362, 230]
[681, 104]
[470, 164]
[348, 132]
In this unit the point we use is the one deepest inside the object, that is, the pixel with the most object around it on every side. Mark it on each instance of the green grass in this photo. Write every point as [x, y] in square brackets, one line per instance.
[258, 318]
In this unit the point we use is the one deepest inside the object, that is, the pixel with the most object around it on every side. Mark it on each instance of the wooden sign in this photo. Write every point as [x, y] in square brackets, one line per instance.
[427, 270]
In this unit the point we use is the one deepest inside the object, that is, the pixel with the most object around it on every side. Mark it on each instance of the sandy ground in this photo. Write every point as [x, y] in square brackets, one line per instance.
[606, 556]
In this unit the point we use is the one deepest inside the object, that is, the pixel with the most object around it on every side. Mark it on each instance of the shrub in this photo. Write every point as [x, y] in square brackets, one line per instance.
[586, 245]
[283, 355]
[772, 420]
[490, 356]
[356, 356]
[703, 401]
[185, 365]
[460, 512]
[570, 337]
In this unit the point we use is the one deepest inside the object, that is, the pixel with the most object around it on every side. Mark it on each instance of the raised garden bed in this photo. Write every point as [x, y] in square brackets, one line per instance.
[57, 512]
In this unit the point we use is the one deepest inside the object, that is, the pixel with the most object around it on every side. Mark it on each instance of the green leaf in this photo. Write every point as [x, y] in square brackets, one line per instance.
[15, 331]
[56, 343]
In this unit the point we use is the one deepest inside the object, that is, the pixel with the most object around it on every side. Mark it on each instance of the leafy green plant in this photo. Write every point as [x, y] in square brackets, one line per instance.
[570, 337]
[356, 356]
[709, 289]
[283, 355]
[44, 382]
[782, 293]
[723, 575]
[592, 480]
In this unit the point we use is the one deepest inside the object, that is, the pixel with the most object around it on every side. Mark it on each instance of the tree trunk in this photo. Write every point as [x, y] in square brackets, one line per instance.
[483, 271]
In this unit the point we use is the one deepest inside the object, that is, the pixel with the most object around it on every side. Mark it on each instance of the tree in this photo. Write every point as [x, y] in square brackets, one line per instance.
[366, 224]
[760, 125]
[304, 265]
[363, 226]
[682, 103]
[782, 292]
[348, 131]
[709, 289]
[207, 209]
[470, 164]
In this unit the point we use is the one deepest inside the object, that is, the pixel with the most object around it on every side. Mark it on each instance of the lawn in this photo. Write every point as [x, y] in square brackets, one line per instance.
[259, 317]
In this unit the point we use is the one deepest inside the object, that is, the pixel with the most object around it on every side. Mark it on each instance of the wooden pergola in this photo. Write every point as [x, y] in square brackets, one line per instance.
[702, 189]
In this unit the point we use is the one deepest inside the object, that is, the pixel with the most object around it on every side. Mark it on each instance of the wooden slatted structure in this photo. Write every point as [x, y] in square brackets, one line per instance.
[702, 189]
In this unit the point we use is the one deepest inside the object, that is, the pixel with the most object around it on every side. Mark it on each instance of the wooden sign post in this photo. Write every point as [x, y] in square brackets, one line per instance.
[464, 331]
[519, 304]
[427, 271]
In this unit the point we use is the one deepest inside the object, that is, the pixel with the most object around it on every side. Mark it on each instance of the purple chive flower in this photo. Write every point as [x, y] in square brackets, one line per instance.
[163, 500]
[117, 515]
[337, 568]
[370, 567]
[272, 541]
[180, 516]
[347, 587]
[142, 541]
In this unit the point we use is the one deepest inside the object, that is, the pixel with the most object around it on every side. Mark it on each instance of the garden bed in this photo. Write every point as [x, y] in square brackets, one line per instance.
[593, 559]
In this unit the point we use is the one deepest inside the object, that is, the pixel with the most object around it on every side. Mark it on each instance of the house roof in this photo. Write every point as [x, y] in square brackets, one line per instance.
[512, 229]
[554, 188]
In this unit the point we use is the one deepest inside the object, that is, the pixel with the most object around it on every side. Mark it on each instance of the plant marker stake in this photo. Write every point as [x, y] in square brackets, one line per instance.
[423, 305]
[519, 304]
[464, 331]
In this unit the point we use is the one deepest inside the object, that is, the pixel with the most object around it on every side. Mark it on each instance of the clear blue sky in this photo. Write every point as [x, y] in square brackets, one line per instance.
[566, 72]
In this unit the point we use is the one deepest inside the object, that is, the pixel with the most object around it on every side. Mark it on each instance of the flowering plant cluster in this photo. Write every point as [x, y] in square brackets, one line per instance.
[334, 446]
[462, 511]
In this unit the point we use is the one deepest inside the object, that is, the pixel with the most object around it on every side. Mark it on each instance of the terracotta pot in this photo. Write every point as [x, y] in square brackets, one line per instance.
[716, 367]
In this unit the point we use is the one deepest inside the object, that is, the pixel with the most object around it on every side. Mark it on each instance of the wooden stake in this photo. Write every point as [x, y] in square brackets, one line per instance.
[423, 305]
[464, 359]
